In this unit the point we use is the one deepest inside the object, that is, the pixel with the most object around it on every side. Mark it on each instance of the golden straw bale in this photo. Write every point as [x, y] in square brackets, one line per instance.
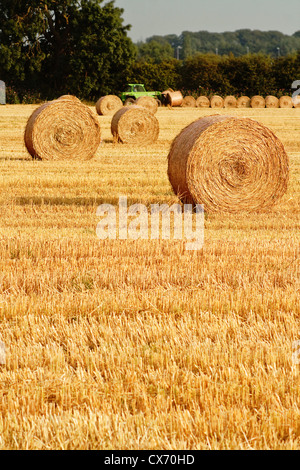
[296, 101]
[243, 102]
[173, 98]
[285, 102]
[69, 97]
[257, 101]
[188, 102]
[147, 102]
[134, 125]
[62, 129]
[202, 102]
[108, 104]
[272, 101]
[230, 102]
[216, 102]
[228, 164]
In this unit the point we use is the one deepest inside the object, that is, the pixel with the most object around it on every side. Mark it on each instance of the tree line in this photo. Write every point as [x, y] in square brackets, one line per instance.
[50, 48]
[238, 43]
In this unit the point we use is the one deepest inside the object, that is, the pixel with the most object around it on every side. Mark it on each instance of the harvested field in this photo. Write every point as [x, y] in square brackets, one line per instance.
[137, 344]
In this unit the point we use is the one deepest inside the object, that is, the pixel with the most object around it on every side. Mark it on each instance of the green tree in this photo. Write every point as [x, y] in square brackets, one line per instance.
[155, 51]
[67, 46]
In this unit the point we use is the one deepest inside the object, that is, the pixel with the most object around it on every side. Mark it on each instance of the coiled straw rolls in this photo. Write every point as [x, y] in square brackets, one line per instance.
[228, 164]
[134, 125]
[62, 129]
[108, 104]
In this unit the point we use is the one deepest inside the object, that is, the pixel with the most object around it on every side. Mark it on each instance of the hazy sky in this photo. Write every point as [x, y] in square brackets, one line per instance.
[149, 17]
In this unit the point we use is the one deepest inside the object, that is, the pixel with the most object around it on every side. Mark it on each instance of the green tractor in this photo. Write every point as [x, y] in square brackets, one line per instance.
[134, 90]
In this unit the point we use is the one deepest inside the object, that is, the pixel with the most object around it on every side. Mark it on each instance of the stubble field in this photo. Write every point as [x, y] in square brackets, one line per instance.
[123, 344]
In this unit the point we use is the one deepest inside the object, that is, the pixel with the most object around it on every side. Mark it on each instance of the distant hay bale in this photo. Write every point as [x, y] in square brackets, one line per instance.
[296, 101]
[228, 164]
[147, 102]
[257, 101]
[216, 102]
[63, 129]
[272, 101]
[243, 102]
[202, 102]
[188, 102]
[230, 102]
[173, 98]
[285, 102]
[108, 104]
[134, 125]
[69, 97]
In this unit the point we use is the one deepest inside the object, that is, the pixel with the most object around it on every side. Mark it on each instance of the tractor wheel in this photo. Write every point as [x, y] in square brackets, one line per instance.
[158, 102]
[129, 101]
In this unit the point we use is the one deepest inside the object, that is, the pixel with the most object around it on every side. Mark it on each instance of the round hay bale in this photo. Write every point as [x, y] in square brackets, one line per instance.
[296, 101]
[108, 104]
[147, 102]
[257, 101]
[230, 102]
[216, 102]
[285, 102]
[243, 102]
[62, 129]
[188, 102]
[272, 101]
[173, 98]
[202, 102]
[228, 164]
[134, 125]
[69, 97]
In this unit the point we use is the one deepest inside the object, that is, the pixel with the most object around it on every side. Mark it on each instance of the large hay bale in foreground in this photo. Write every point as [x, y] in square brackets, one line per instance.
[134, 125]
[188, 102]
[147, 102]
[173, 98]
[108, 104]
[217, 102]
[202, 102]
[243, 102]
[230, 102]
[257, 101]
[228, 164]
[272, 101]
[63, 129]
[285, 102]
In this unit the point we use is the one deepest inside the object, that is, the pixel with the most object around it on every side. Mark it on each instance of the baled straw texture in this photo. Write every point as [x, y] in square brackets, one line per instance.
[134, 125]
[108, 104]
[202, 102]
[257, 101]
[188, 102]
[285, 102]
[228, 164]
[62, 129]
[216, 102]
[296, 101]
[147, 102]
[272, 101]
[230, 102]
[173, 98]
[69, 97]
[243, 102]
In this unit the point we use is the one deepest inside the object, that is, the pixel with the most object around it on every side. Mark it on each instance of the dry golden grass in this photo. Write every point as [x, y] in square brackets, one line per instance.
[142, 344]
